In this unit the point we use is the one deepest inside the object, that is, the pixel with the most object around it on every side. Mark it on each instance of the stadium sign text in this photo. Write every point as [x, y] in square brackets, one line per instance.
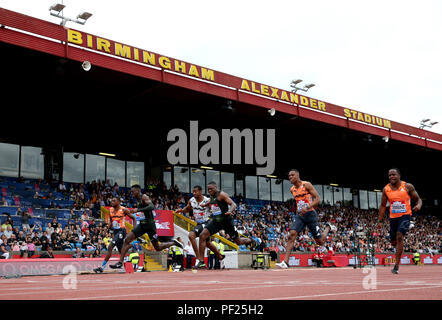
[210, 153]
[367, 118]
[138, 55]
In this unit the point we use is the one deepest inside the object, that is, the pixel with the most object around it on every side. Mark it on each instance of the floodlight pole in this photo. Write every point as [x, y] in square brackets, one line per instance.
[423, 124]
[293, 84]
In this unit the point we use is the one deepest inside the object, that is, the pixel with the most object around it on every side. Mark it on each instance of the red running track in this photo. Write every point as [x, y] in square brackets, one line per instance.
[413, 282]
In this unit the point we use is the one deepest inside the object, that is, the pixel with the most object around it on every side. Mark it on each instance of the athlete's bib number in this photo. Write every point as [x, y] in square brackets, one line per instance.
[302, 204]
[115, 224]
[216, 211]
[398, 207]
[140, 215]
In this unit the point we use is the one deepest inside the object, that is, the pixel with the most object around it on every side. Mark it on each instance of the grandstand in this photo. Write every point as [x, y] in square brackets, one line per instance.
[126, 109]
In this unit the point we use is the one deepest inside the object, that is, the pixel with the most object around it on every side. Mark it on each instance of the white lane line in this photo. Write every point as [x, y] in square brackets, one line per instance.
[349, 293]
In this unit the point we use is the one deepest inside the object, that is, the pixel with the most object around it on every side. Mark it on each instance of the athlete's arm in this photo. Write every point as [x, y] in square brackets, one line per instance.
[413, 194]
[185, 209]
[232, 205]
[383, 205]
[316, 198]
[128, 213]
[146, 201]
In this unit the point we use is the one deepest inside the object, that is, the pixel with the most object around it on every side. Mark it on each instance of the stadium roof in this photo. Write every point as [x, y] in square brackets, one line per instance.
[131, 94]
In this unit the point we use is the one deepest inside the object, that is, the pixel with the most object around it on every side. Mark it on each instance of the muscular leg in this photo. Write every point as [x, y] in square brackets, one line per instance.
[214, 249]
[321, 240]
[129, 238]
[290, 243]
[192, 239]
[204, 238]
[399, 247]
[161, 246]
[240, 241]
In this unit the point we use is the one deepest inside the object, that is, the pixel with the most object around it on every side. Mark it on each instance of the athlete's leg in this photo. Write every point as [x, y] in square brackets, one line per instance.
[106, 258]
[290, 244]
[161, 246]
[321, 240]
[214, 249]
[192, 239]
[399, 248]
[204, 239]
[129, 238]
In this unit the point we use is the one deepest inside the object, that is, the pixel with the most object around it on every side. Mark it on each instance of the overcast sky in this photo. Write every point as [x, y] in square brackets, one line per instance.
[378, 57]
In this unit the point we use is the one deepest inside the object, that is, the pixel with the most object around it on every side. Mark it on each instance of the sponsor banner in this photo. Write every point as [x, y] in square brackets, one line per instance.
[304, 260]
[35, 267]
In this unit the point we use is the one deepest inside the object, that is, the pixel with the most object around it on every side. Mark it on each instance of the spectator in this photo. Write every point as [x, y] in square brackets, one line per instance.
[4, 248]
[78, 253]
[48, 254]
[31, 248]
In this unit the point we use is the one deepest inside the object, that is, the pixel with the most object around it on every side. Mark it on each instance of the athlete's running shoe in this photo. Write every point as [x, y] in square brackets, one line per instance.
[200, 265]
[222, 257]
[395, 269]
[98, 270]
[282, 265]
[118, 265]
[177, 243]
[332, 227]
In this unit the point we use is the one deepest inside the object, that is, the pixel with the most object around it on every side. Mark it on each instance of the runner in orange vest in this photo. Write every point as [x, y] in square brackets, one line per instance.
[307, 198]
[117, 224]
[398, 193]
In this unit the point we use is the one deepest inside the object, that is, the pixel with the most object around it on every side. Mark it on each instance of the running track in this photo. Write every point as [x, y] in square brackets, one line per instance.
[413, 282]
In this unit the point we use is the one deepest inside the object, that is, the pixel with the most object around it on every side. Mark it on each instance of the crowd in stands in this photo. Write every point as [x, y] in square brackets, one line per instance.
[268, 226]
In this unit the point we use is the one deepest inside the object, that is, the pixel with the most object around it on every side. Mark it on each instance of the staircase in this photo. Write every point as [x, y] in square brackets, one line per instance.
[151, 265]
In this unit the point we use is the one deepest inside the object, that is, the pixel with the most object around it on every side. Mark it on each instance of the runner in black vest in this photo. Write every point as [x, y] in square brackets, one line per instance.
[147, 225]
[222, 208]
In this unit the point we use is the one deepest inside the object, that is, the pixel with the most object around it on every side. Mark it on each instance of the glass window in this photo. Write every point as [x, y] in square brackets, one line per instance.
[135, 173]
[197, 178]
[32, 163]
[379, 197]
[227, 183]
[328, 195]
[212, 175]
[363, 199]
[116, 172]
[264, 188]
[95, 167]
[9, 154]
[251, 187]
[239, 186]
[286, 185]
[318, 188]
[337, 195]
[73, 167]
[167, 177]
[355, 201]
[348, 197]
[276, 189]
[372, 200]
[181, 178]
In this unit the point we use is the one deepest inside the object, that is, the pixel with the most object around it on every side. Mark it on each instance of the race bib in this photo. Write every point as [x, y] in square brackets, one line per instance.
[216, 211]
[302, 204]
[115, 224]
[398, 207]
[139, 215]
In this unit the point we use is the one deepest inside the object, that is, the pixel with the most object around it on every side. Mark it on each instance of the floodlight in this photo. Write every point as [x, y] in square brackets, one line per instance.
[86, 65]
[308, 86]
[84, 16]
[296, 81]
[57, 7]
[425, 120]
[433, 123]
